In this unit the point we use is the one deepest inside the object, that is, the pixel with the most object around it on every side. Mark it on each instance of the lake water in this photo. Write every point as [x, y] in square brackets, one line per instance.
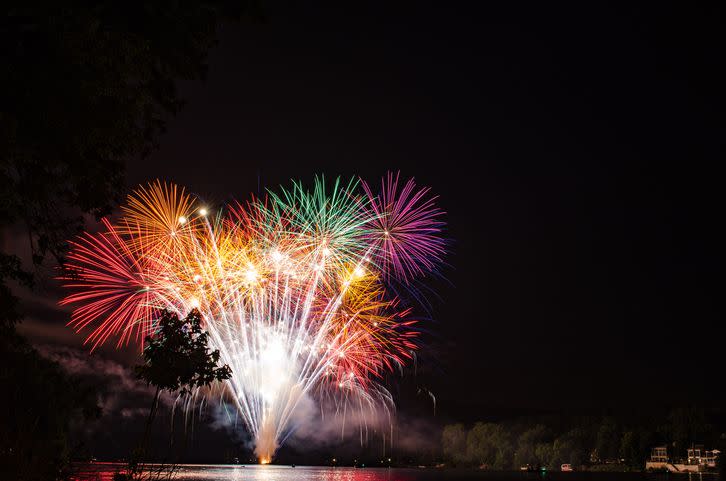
[104, 472]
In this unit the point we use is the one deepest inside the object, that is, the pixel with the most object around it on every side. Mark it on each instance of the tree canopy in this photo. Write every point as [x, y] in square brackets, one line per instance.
[86, 87]
[38, 404]
[177, 357]
[617, 441]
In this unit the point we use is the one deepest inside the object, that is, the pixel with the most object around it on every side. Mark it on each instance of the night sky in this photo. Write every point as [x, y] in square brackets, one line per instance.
[574, 150]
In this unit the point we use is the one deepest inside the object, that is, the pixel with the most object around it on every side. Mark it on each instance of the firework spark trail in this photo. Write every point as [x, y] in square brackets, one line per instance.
[292, 288]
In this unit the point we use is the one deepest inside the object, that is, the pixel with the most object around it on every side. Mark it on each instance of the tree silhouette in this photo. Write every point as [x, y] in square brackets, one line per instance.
[177, 359]
[84, 88]
[177, 356]
[38, 403]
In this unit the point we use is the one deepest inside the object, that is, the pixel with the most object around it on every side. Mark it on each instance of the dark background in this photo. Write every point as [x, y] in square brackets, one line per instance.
[574, 149]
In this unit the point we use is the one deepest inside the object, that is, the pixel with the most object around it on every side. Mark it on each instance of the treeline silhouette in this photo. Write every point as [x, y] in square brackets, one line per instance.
[614, 442]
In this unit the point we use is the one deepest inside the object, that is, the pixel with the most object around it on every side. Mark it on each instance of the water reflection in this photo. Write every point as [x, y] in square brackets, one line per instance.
[283, 473]
[105, 472]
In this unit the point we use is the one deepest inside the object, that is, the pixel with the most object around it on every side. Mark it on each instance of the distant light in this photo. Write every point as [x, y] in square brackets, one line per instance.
[359, 272]
[326, 251]
[385, 233]
[182, 219]
[202, 211]
[197, 278]
[194, 302]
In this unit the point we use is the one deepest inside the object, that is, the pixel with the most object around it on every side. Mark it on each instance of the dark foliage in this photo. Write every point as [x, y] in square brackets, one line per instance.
[10, 270]
[611, 442]
[177, 357]
[84, 88]
[38, 404]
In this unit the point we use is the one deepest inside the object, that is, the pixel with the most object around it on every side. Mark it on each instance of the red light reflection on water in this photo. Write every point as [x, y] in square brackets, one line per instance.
[216, 472]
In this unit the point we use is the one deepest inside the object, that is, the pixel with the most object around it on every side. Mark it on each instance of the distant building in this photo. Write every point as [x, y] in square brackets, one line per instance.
[659, 454]
[699, 456]
[698, 460]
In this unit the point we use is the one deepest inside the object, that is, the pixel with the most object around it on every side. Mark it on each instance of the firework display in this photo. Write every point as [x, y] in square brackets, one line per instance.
[292, 288]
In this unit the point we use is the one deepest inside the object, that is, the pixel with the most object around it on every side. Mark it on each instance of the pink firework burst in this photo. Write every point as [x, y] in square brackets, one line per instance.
[406, 228]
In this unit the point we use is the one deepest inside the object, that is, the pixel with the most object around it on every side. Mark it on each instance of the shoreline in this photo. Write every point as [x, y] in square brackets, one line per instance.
[121, 464]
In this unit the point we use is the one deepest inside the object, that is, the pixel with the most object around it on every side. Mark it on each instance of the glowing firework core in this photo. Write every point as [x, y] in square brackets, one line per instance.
[292, 289]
